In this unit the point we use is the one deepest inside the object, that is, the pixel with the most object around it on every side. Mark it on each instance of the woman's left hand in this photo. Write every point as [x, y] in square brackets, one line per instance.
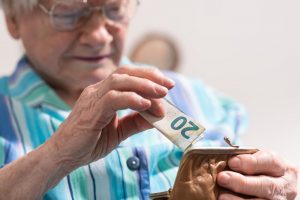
[262, 175]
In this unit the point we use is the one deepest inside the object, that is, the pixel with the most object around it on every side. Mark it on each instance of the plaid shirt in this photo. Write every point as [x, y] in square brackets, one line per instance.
[31, 112]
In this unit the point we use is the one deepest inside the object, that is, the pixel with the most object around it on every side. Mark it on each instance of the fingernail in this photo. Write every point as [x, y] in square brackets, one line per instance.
[159, 110]
[170, 82]
[161, 90]
[235, 163]
[224, 180]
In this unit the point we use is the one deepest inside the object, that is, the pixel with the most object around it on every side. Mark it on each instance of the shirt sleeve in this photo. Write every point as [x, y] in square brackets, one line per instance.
[10, 147]
[235, 117]
[220, 115]
[2, 151]
[224, 116]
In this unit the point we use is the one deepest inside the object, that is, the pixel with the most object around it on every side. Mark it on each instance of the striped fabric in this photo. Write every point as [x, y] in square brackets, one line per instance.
[31, 112]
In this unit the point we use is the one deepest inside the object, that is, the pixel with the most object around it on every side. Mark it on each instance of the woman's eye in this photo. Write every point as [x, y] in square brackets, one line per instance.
[69, 15]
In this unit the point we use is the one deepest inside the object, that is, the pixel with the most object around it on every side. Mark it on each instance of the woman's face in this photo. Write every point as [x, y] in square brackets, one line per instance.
[74, 59]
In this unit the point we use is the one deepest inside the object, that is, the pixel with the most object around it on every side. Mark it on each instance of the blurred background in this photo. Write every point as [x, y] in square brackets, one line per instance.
[249, 50]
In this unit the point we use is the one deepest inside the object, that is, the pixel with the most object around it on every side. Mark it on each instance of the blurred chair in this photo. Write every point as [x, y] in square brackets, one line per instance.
[158, 50]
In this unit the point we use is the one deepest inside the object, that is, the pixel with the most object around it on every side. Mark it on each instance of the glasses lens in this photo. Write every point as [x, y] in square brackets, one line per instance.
[67, 16]
[120, 10]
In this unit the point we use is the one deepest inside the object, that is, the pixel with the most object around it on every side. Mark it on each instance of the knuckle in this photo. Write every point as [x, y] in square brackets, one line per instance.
[295, 170]
[274, 156]
[241, 187]
[271, 191]
[88, 91]
[156, 71]
[277, 164]
[292, 182]
[266, 154]
[133, 98]
[293, 193]
[117, 79]
[271, 161]
[123, 69]
[278, 190]
[149, 83]
[251, 168]
[147, 86]
[112, 94]
[249, 163]
[240, 184]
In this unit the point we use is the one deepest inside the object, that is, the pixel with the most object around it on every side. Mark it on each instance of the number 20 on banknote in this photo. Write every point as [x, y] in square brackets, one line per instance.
[181, 129]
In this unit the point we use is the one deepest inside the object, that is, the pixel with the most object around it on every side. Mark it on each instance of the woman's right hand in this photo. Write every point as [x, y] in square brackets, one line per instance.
[93, 128]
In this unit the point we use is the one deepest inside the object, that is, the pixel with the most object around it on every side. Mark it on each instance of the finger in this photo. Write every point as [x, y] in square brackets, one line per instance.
[226, 196]
[131, 124]
[150, 73]
[126, 126]
[145, 87]
[157, 108]
[258, 186]
[261, 162]
[114, 101]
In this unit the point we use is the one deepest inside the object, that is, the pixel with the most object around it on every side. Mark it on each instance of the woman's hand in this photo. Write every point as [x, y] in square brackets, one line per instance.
[262, 175]
[93, 128]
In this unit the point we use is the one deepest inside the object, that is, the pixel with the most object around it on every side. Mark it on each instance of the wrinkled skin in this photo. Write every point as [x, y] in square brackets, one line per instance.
[93, 129]
[262, 175]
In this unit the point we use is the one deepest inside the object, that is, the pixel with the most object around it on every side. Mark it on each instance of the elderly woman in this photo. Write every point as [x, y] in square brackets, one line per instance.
[70, 110]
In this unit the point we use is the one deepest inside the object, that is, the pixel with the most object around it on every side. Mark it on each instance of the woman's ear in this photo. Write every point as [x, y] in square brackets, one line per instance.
[13, 26]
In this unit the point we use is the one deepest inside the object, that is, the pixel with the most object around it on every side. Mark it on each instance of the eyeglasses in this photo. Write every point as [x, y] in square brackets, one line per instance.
[67, 16]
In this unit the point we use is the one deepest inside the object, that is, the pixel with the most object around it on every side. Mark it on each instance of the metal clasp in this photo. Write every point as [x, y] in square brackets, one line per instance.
[227, 140]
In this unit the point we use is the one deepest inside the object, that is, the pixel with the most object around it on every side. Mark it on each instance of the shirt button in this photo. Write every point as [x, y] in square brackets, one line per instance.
[133, 163]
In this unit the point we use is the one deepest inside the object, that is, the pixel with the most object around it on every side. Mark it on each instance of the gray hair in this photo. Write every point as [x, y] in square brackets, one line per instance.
[12, 7]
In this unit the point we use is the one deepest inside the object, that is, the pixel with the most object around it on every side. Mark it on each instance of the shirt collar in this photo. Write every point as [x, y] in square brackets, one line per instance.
[29, 88]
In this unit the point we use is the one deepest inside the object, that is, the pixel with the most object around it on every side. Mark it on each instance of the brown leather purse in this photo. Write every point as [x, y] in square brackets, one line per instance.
[197, 173]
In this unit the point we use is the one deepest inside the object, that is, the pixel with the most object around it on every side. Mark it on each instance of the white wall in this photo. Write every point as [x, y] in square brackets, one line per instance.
[10, 49]
[249, 49]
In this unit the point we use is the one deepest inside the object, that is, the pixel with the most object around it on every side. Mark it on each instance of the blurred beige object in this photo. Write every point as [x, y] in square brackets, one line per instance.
[157, 50]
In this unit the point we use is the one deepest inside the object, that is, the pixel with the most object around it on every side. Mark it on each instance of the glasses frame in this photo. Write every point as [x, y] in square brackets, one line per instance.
[92, 9]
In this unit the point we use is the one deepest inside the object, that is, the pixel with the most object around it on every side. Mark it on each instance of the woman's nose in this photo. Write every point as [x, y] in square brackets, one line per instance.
[95, 31]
